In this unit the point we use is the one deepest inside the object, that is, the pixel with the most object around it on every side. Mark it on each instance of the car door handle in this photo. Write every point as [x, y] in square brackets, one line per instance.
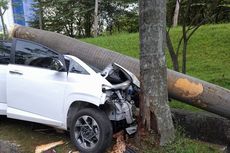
[16, 72]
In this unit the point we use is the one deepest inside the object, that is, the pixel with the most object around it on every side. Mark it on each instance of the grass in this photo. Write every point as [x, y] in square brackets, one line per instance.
[208, 53]
[180, 145]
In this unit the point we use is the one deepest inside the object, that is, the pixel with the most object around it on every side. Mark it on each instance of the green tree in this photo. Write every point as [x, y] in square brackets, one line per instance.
[193, 14]
[120, 15]
[3, 8]
[75, 18]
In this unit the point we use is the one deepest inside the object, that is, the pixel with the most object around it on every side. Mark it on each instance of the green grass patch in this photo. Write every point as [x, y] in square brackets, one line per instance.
[181, 144]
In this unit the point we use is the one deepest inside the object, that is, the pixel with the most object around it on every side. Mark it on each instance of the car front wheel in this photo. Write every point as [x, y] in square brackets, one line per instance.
[91, 131]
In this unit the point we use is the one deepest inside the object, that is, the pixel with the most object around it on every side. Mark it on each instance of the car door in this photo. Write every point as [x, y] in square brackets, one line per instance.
[34, 91]
[5, 48]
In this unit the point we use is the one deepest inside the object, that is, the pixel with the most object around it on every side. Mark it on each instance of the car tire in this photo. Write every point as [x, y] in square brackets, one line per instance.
[91, 131]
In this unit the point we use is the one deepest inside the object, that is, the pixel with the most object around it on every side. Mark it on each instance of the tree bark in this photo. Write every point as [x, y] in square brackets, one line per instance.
[95, 25]
[176, 13]
[155, 112]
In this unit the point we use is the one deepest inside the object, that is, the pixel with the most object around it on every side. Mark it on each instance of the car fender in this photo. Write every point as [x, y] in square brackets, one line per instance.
[81, 97]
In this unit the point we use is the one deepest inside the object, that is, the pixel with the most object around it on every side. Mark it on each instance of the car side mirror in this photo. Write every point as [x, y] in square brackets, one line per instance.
[57, 65]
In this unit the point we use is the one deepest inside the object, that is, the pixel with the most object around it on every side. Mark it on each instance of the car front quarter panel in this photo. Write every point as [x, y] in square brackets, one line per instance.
[84, 88]
[81, 97]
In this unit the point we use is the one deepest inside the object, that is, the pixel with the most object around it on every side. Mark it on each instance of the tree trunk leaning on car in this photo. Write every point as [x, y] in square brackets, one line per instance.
[154, 109]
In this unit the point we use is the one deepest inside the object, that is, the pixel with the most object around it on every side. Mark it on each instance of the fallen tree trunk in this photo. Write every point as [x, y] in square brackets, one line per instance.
[203, 126]
[181, 87]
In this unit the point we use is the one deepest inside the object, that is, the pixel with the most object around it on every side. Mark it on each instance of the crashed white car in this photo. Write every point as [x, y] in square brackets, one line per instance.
[40, 85]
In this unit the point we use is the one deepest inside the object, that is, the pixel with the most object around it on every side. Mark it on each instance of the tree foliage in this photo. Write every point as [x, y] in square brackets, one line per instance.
[200, 9]
[75, 18]
[3, 8]
[193, 14]
[4, 4]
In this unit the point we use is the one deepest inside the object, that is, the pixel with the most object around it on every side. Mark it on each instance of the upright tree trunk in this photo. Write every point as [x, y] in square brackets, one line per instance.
[176, 13]
[155, 112]
[173, 55]
[95, 25]
[3, 25]
[88, 24]
[184, 51]
[184, 59]
[40, 14]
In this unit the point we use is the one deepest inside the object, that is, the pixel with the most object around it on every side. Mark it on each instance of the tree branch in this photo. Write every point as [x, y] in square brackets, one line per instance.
[3, 12]
[179, 44]
[198, 26]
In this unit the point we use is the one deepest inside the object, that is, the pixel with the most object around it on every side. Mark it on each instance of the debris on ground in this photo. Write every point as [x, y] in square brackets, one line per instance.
[120, 145]
[45, 147]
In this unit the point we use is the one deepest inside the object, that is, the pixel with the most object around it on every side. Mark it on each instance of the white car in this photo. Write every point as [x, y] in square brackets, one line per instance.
[40, 85]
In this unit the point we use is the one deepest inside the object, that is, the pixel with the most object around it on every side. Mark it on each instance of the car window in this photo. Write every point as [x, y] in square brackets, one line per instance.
[94, 68]
[27, 53]
[77, 68]
[5, 49]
